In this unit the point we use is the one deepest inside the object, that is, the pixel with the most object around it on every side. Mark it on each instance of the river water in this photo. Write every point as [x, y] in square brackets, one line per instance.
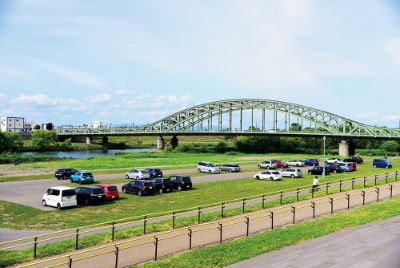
[87, 153]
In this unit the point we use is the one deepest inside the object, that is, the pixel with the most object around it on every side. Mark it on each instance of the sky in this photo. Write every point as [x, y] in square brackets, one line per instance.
[131, 61]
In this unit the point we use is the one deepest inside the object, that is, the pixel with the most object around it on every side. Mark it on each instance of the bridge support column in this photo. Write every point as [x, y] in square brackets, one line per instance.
[174, 142]
[160, 143]
[346, 148]
[104, 142]
[88, 140]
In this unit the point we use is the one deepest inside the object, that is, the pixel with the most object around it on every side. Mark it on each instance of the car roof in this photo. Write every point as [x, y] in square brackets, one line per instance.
[61, 188]
[105, 185]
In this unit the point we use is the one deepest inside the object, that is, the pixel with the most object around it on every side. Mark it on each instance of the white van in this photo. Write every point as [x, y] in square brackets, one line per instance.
[59, 197]
[208, 167]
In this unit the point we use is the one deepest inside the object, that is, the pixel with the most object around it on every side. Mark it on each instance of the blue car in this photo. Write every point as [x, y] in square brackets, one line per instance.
[82, 177]
[311, 162]
[382, 163]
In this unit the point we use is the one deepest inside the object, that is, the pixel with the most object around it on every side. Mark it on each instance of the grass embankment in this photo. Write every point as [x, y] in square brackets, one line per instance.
[20, 217]
[245, 248]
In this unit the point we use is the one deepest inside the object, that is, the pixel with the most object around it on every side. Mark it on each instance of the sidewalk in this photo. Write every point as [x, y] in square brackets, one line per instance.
[144, 248]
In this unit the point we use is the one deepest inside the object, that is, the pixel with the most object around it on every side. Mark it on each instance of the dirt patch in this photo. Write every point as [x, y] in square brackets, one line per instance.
[14, 171]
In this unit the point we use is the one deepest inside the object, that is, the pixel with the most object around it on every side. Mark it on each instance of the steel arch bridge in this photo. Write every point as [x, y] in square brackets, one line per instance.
[226, 117]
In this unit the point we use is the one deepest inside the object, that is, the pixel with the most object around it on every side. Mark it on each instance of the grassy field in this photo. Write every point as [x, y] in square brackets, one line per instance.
[245, 248]
[20, 217]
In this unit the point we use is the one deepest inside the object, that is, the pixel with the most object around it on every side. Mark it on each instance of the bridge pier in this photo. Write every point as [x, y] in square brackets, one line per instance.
[89, 140]
[160, 143]
[346, 148]
[174, 142]
[104, 141]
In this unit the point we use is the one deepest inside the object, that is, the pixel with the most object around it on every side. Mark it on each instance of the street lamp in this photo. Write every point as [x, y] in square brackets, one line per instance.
[323, 169]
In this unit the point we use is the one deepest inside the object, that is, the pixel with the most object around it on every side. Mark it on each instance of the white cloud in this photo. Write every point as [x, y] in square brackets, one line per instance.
[391, 117]
[368, 115]
[161, 102]
[123, 92]
[104, 97]
[393, 50]
[42, 100]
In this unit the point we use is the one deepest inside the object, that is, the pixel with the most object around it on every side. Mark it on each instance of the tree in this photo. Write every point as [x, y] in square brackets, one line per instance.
[10, 141]
[390, 146]
[221, 147]
[36, 127]
[43, 139]
[295, 127]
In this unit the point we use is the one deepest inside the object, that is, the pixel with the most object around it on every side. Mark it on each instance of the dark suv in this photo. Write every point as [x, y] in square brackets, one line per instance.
[64, 173]
[155, 173]
[354, 159]
[181, 182]
[163, 185]
[317, 170]
[334, 168]
[86, 195]
[139, 187]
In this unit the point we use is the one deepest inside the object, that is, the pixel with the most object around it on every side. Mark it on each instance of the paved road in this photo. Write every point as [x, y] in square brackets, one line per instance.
[371, 245]
[141, 249]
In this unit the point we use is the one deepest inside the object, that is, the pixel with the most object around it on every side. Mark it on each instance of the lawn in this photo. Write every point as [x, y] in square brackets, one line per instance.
[21, 217]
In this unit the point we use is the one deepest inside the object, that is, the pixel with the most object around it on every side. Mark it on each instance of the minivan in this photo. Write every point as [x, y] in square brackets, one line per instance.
[60, 197]
[207, 167]
[382, 163]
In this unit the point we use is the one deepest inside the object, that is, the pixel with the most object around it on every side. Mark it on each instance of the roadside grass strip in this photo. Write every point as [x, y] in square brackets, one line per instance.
[245, 248]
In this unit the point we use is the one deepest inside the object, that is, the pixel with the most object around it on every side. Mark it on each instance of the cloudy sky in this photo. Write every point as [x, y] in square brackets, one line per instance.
[73, 61]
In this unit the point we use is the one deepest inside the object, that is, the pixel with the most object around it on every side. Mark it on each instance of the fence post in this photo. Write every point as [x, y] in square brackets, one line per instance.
[190, 238]
[297, 194]
[312, 192]
[243, 203]
[365, 181]
[363, 196]
[340, 185]
[156, 247]
[35, 248]
[331, 202]
[281, 197]
[313, 209]
[294, 214]
[113, 231]
[271, 215]
[220, 232]
[386, 177]
[396, 175]
[145, 224]
[391, 190]
[377, 194]
[263, 201]
[327, 188]
[375, 178]
[222, 209]
[116, 256]
[348, 201]
[198, 214]
[69, 262]
[173, 219]
[77, 239]
[352, 183]
[247, 225]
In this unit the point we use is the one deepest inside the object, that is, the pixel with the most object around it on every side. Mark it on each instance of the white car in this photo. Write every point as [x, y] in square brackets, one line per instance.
[291, 172]
[60, 197]
[267, 164]
[333, 160]
[138, 174]
[296, 163]
[207, 167]
[268, 175]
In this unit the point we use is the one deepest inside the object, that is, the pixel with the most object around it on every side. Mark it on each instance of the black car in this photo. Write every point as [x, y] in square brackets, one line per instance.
[64, 173]
[139, 187]
[86, 195]
[334, 168]
[163, 185]
[318, 171]
[181, 182]
[155, 173]
[354, 159]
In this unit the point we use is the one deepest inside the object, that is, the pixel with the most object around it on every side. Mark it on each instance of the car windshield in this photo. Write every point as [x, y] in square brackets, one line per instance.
[143, 171]
[275, 172]
[68, 192]
[147, 184]
[186, 179]
[98, 191]
[87, 174]
[232, 165]
[112, 188]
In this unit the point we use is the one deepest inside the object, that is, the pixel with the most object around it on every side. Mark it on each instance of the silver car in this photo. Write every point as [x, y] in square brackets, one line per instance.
[231, 167]
[291, 172]
[138, 174]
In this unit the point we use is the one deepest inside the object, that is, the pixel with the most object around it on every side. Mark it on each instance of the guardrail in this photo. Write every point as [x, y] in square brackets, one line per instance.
[194, 211]
[253, 222]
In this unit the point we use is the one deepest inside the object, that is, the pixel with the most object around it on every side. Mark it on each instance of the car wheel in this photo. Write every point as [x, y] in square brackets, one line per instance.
[271, 178]
[292, 176]
[179, 188]
[44, 203]
[58, 206]
[297, 165]
[257, 177]
[140, 193]
[72, 181]
[210, 171]
[160, 191]
[259, 166]
[124, 190]
[127, 176]
[86, 201]
[64, 177]
[374, 166]
[80, 181]
[137, 178]
[199, 170]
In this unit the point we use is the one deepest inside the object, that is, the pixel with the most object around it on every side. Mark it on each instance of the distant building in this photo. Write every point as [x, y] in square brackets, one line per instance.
[99, 124]
[12, 124]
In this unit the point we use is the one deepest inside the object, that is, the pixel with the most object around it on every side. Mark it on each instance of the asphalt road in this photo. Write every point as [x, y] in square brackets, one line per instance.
[372, 245]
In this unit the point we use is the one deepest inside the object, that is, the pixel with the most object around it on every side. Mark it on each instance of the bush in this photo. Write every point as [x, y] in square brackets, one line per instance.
[10, 141]
[390, 146]
[221, 147]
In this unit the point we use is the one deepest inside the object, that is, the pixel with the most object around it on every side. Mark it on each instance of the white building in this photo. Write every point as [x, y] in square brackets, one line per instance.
[12, 124]
[99, 124]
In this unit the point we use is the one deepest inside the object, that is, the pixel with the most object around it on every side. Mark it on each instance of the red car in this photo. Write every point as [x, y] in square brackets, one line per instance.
[110, 190]
[280, 164]
[352, 165]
